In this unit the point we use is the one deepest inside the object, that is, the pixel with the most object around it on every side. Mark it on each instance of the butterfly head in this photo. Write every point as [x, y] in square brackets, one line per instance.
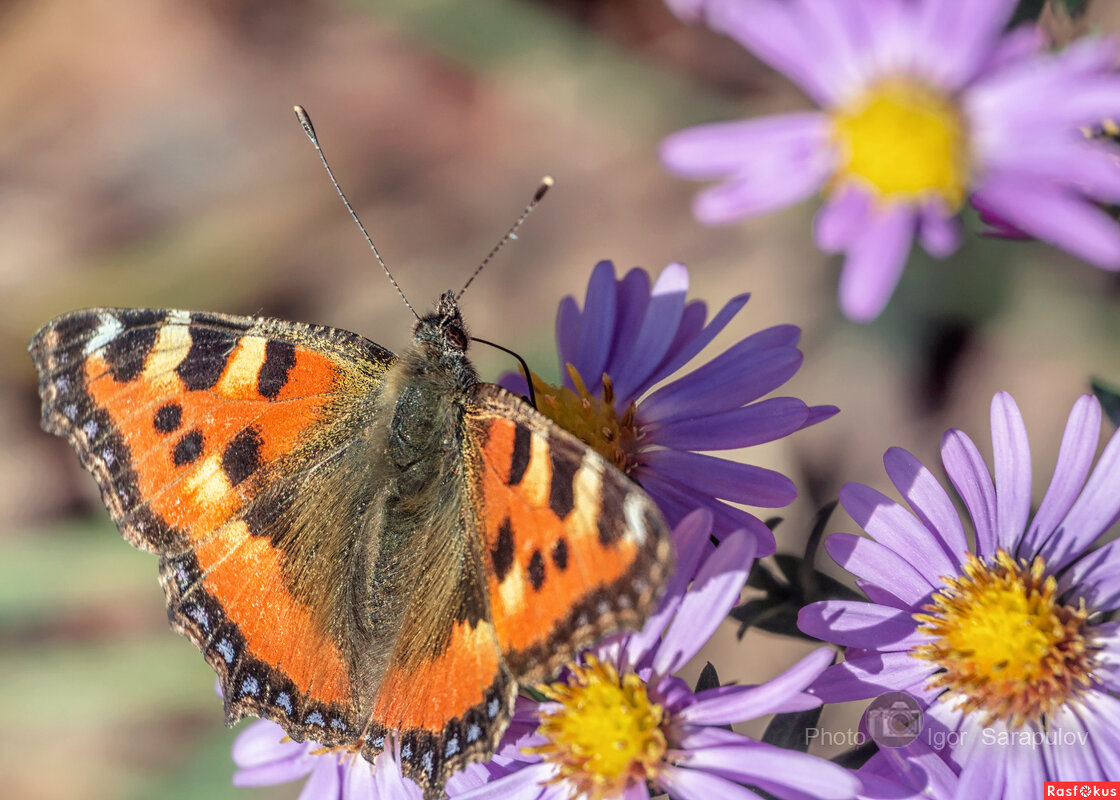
[441, 334]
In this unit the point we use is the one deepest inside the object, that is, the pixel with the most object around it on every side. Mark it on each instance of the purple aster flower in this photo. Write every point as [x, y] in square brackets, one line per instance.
[265, 756]
[923, 106]
[631, 336]
[1008, 643]
[618, 724]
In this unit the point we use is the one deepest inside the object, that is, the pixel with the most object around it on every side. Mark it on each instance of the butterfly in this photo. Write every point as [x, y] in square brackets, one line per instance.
[369, 550]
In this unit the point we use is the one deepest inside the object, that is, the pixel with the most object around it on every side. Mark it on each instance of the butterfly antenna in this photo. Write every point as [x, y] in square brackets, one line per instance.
[309, 129]
[546, 184]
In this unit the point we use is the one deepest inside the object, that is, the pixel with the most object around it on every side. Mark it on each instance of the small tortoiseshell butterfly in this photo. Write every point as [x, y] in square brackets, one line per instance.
[365, 547]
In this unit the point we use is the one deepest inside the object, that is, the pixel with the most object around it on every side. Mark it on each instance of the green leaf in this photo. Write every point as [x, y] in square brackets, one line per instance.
[1027, 10]
[791, 731]
[857, 756]
[1075, 8]
[709, 678]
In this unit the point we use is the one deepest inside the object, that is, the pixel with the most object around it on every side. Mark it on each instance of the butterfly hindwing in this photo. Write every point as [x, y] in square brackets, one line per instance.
[572, 548]
[222, 443]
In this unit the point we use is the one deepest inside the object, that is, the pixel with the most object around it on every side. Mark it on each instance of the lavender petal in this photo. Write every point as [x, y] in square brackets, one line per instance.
[875, 262]
[658, 327]
[739, 198]
[690, 784]
[880, 565]
[1093, 512]
[894, 527]
[853, 623]
[1054, 215]
[689, 534]
[841, 218]
[773, 32]
[939, 230]
[963, 43]
[1075, 458]
[264, 742]
[1012, 461]
[786, 768]
[760, 422]
[743, 147]
[325, 782]
[675, 501]
[597, 321]
[633, 301]
[730, 480]
[715, 590]
[725, 705]
[929, 501]
[568, 318]
[685, 353]
[973, 483]
[526, 783]
[870, 675]
[730, 380]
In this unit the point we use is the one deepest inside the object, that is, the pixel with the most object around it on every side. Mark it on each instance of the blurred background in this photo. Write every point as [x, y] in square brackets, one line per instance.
[150, 157]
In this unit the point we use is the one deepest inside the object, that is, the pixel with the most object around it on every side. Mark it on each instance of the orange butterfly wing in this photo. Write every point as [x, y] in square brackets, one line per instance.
[572, 548]
[201, 431]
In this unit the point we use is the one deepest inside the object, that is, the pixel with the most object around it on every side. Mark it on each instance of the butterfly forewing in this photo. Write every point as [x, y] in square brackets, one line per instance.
[220, 442]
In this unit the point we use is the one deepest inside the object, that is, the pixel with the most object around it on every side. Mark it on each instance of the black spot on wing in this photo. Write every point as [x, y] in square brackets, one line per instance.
[168, 418]
[128, 351]
[242, 456]
[472, 599]
[536, 570]
[279, 358]
[520, 460]
[206, 359]
[502, 554]
[564, 462]
[188, 448]
[611, 519]
[266, 517]
[560, 554]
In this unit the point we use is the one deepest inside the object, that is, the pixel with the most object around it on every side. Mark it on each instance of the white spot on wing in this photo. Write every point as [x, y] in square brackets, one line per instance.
[108, 328]
[632, 508]
[171, 346]
[207, 483]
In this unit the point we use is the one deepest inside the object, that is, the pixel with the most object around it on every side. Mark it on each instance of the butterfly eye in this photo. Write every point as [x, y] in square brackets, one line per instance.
[457, 337]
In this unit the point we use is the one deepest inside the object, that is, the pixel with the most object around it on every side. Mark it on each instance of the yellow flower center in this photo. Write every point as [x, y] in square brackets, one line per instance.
[1006, 646]
[606, 732]
[906, 141]
[593, 419]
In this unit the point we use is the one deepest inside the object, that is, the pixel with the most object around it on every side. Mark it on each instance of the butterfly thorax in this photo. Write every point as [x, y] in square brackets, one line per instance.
[431, 380]
[420, 514]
